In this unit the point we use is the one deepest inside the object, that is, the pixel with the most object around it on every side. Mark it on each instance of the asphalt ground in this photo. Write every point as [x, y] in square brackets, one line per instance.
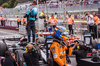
[8, 33]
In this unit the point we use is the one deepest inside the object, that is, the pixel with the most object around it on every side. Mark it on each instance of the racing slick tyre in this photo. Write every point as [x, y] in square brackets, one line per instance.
[19, 57]
[94, 44]
[3, 49]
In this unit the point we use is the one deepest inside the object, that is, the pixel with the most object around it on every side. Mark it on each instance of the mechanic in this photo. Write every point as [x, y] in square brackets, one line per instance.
[9, 59]
[70, 22]
[53, 21]
[18, 21]
[31, 56]
[31, 18]
[1, 19]
[60, 48]
[90, 21]
[80, 52]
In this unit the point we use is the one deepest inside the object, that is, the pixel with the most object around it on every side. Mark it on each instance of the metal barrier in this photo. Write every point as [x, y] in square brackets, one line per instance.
[69, 8]
[47, 7]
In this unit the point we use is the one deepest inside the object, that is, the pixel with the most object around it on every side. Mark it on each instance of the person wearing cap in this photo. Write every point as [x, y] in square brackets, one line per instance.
[31, 56]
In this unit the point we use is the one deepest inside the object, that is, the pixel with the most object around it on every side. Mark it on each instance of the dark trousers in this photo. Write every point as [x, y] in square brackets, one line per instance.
[70, 27]
[95, 31]
[18, 23]
[45, 24]
[52, 27]
[2, 23]
[90, 28]
[31, 27]
[42, 17]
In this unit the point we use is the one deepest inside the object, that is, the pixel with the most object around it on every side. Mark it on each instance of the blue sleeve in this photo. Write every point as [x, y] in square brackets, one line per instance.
[30, 18]
[28, 12]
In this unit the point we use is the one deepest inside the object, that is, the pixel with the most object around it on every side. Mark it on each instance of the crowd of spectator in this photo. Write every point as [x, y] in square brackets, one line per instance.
[56, 4]
[83, 2]
[66, 2]
[69, 2]
[40, 2]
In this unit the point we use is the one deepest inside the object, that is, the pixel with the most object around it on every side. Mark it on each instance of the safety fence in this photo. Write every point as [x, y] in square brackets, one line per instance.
[59, 7]
[50, 8]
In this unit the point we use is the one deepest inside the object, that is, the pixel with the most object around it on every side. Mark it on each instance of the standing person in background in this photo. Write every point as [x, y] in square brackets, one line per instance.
[70, 22]
[90, 21]
[1, 19]
[18, 21]
[43, 16]
[53, 21]
[96, 21]
[95, 18]
[23, 20]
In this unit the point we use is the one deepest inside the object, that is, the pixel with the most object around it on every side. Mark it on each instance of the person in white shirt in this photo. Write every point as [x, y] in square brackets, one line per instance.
[90, 21]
